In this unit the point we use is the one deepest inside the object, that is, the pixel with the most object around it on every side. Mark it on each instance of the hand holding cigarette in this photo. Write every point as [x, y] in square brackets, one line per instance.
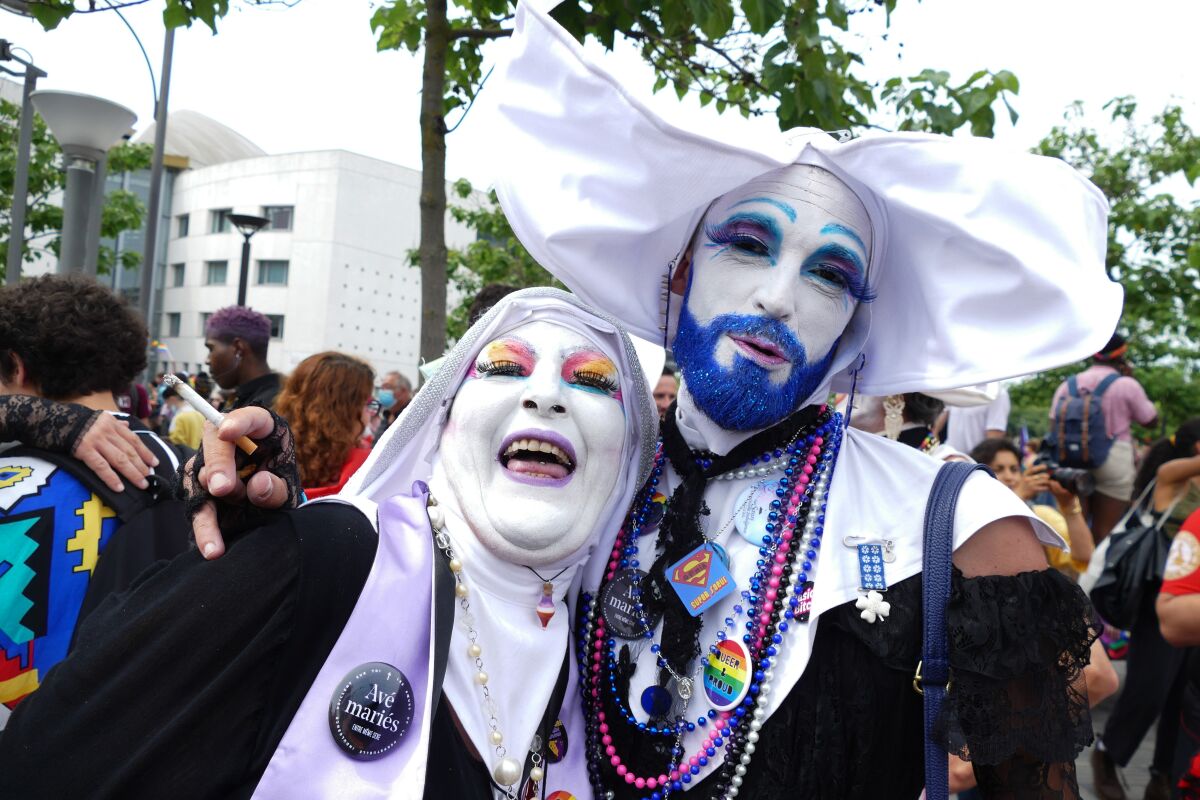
[189, 396]
[219, 484]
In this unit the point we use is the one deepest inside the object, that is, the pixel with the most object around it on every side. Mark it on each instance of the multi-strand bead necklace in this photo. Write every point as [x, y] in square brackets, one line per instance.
[774, 599]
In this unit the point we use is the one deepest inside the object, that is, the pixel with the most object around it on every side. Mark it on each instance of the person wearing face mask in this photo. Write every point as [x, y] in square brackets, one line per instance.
[394, 395]
[774, 560]
[408, 637]
[236, 338]
[327, 402]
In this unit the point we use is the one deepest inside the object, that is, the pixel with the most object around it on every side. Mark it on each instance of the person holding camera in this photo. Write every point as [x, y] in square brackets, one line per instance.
[1066, 485]
[1122, 401]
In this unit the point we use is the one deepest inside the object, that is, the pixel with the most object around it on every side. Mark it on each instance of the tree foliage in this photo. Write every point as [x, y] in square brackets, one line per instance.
[794, 59]
[122, 210]
[176, 13]
[496, 256]
[1153, 250]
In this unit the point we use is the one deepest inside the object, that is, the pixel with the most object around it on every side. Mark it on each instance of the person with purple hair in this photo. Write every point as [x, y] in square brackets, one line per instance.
[237, 338]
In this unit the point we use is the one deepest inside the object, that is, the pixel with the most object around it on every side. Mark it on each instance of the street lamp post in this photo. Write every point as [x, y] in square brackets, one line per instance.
[16, 233]
[247, 225]
[85, 127]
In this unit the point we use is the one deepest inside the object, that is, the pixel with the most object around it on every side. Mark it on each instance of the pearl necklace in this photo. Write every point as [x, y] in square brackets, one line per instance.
[507, 772]
[780, 574]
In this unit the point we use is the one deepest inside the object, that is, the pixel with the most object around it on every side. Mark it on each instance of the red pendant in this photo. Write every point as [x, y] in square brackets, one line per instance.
[545, 606]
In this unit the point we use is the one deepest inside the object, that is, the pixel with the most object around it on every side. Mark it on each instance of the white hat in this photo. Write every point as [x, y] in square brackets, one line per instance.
[988, 261]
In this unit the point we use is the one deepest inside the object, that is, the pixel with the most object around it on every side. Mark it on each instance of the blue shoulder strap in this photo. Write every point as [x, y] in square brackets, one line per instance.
[933, 675]
[1072, 387]
[1101, 387]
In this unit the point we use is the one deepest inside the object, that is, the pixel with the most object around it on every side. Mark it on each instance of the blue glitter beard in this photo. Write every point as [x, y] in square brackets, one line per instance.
[742, 396]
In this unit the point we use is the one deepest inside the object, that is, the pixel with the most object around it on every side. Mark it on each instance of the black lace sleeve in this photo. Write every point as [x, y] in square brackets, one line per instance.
[1017, 707]
[46, 424]
[276, 454]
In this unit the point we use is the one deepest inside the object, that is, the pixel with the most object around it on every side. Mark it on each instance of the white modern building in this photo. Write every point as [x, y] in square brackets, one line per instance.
[330, 269]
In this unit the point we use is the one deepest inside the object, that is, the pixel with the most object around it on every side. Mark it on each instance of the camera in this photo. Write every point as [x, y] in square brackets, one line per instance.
[1078, 482]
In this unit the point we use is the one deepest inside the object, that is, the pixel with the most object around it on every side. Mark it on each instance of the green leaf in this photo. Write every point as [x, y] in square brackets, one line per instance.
[715, 17]
[1007, 81]
[51, 13]
[763, 14]
[836, 13]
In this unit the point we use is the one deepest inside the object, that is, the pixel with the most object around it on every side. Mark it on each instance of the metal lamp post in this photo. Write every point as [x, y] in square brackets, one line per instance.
[247, 225]
[85, 127]
[16, 235]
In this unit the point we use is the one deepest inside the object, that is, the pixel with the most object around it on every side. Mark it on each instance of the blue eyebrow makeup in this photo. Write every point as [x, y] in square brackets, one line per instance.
[787, 210]
[835, 228]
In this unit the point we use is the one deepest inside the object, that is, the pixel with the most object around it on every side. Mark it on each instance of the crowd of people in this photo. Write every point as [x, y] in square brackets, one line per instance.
[778, 567]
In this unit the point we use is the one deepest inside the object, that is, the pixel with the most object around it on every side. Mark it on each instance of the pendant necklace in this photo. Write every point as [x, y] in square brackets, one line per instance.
[778, 594]
[545, 606]
[507, 772]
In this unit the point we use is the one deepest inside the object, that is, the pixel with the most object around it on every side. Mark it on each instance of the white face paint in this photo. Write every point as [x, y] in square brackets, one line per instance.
[778, 267]
[533, 445]
[792, 245]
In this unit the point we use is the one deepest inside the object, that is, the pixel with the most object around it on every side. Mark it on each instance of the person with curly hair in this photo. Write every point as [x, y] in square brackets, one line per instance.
[237, 339]
[327, 400]
[68, 527]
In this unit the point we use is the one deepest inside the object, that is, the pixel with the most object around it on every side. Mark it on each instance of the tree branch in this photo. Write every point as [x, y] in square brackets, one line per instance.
[479, 33]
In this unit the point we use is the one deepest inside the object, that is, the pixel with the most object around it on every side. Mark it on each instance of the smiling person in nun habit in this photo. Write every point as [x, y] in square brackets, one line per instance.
[756, 629]
[407, 638]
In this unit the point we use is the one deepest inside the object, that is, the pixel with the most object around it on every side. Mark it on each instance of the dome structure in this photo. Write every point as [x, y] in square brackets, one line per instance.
[202, 140]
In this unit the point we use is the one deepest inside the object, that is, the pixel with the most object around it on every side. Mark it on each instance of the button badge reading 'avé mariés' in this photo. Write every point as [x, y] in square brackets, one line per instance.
[371, 710]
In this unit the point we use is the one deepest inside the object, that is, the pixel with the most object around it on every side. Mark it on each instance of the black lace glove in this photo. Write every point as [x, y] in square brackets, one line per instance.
[45, 424]
[276, 454]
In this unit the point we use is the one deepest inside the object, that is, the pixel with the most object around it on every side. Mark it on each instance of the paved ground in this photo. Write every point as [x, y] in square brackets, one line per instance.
[1137, 773]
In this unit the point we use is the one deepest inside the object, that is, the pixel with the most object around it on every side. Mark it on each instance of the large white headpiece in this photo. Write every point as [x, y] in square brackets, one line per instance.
[987, 262]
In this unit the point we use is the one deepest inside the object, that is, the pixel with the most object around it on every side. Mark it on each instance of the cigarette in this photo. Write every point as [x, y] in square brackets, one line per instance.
[189, 396]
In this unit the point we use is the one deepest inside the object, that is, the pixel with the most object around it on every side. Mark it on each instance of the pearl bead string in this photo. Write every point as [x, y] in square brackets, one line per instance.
[507, 772]
[764, 628]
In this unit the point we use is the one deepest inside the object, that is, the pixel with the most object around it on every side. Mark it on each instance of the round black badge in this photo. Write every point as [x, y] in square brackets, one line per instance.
[371, 710]
[617, 604]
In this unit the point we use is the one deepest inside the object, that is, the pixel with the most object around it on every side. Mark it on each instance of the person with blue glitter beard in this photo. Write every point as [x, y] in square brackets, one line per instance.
[755, 629]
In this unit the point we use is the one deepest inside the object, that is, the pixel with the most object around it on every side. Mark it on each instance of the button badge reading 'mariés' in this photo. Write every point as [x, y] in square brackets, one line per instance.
[371, 710]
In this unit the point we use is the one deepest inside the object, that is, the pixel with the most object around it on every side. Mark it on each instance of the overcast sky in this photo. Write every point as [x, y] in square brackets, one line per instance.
[309, 77]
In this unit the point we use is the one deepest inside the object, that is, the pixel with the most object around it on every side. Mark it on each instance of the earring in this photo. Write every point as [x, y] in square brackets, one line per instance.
[893, 415]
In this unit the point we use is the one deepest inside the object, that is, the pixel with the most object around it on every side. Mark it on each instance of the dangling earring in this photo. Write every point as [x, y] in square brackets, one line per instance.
[893, 415]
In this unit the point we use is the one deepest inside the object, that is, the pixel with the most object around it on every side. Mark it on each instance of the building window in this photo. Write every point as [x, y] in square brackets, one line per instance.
[272, 273]
[279, 218]
[276, 325]
[214, 273]
[181, 225]
[204, 315]
[173, 323]
[219, 220]
[177, 275]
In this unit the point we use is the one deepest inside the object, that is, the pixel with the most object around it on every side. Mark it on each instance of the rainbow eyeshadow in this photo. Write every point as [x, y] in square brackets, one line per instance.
[592, 371]
[511, 357]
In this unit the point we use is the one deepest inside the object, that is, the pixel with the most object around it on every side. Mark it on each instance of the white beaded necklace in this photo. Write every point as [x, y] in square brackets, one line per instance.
[507, 772]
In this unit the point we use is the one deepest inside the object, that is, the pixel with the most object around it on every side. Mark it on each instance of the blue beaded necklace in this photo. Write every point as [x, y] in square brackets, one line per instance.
[782, 608]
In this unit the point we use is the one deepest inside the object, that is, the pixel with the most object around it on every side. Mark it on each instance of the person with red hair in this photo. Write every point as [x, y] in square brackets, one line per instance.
[327, 401]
